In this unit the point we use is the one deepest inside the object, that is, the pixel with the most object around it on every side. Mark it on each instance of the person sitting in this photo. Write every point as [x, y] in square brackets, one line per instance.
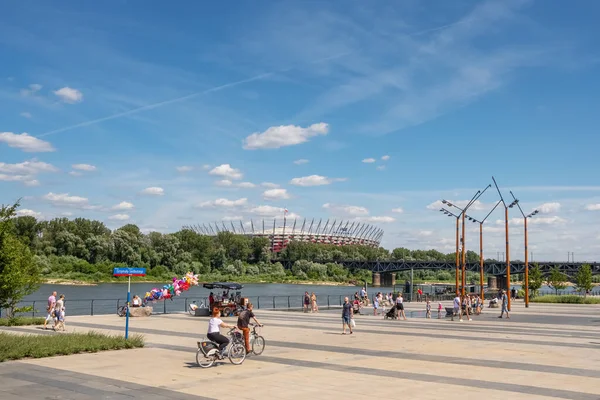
[136, 302]
[214, 333]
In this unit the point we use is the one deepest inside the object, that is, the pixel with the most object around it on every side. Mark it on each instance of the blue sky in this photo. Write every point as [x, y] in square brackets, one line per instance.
[163, 116]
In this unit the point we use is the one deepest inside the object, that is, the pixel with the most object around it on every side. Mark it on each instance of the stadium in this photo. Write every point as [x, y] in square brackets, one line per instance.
[339, 234]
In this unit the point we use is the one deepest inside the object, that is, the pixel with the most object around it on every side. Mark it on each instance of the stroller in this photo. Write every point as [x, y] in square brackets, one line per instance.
[392, 313]
[356, 306]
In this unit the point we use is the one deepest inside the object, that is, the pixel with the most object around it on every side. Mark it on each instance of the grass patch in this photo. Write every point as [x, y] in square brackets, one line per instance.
[21, 321]
[15, 347]
[566, 299]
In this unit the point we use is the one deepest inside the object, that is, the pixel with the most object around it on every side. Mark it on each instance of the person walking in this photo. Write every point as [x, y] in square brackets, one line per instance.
[467, 306]
[428, 310]
[313, 303]
[347, 315]
[400, 306]
[375, 304]
[457, 310]
[50, 309]
[504, 305]
[306, 301]
[59, 309]
[439, 310]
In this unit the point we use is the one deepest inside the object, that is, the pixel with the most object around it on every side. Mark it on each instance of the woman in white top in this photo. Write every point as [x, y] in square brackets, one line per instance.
[214, 333]
[59, 313]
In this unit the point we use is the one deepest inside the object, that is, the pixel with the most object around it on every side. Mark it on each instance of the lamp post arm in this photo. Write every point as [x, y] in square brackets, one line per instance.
[518, 205]
[499, 193]
[486, 217]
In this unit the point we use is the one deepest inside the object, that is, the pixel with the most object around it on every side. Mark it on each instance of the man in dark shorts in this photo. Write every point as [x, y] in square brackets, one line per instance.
[347, 315]
[243, 322]
[306, 301]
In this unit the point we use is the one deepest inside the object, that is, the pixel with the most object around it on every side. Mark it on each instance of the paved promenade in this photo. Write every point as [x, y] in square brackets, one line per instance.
[546, 351]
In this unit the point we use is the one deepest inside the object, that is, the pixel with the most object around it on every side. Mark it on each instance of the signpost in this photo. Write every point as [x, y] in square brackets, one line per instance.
[129, 272]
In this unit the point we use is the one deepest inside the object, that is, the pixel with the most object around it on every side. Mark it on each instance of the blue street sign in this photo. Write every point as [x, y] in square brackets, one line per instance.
[129, 271]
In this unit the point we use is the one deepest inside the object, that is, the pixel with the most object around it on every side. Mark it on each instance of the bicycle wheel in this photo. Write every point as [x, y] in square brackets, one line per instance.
[237, 353]
[121, 312]
[258, 345]
[203, 361]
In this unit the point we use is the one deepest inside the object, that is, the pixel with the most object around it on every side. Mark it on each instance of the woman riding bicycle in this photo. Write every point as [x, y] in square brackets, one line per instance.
[214, 333]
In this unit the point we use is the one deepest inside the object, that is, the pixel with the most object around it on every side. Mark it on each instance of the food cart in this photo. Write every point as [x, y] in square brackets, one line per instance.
[228, 303]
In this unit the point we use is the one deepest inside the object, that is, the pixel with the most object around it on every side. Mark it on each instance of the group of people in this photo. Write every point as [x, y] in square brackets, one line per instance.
[464, 305]
[310, 301]
[243, 324]
[56, 312]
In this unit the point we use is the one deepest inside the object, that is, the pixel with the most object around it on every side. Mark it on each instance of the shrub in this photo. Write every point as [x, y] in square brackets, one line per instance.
[567, 299]
[21, 321]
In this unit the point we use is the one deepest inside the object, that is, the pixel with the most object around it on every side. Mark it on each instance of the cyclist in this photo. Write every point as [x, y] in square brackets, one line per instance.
[214, 333]
[243, 322]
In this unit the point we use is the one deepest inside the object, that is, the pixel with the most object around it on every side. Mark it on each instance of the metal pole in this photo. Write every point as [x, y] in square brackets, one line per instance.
[411, 283]
[481, 261]
[127, 314]
[507, 258]
[526, 268]
[457, 262]
[464, 257]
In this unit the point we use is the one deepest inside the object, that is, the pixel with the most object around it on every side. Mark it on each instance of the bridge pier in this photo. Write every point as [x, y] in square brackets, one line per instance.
[376, 279]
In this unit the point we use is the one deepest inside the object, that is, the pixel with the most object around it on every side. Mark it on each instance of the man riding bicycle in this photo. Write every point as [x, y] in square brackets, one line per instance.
[243, 322]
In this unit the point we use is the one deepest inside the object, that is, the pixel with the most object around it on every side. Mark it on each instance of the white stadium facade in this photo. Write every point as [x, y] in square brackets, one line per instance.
[340, 233]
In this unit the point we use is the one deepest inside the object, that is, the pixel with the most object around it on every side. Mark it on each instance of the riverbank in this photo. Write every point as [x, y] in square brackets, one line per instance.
[74, 282]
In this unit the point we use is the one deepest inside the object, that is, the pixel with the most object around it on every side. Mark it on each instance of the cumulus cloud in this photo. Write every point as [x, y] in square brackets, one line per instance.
[273, 212]
[29, 213]
[369, 160]
[84, 167]
[69, 95]
[385, 158]
[75, 173]
[397, 210]
[184, 168]
[224, 182]
[347, 209]
[315, 180]
[276, 194]
[226, 171]
[64, 199]
[377, 219]
[269, 185]
[124, 205]
[153, 191]
[224, 203]
[380, 167]
[246, 185]
[31, 167]
[280, 136]
[232, 218]
[119, 217]
[26, 143]
[548, 208]
[593, 207]
[229, 183]
[301, 161]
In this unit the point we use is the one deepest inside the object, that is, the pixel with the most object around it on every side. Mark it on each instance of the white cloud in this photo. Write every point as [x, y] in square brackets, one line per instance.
[153, 191]
[301, 161]
[232, 218]
[28, 213]
[380, 167]
[25, 142]
[32, 182]
[246, 185]
[346, 209]
[276, 194]
[184, 168]
[385, 158]
[548, 208]
[224, 182]
[397, 210]
[66, 214]
[206, 167]
[281, 136]
[269, 185]
[377, 219]
[75, 173]
[63, 199]
[228, 183]
[26, 114]
[315, 180]
[84, 167]
[119, 217]
[226, 171]
[69, 95]
[124, 205]
[555, 220]
[33, 89]
[224, 203]
[593, 207]
[273, 212]
[369, 160]
[424, 233]
[31, 167]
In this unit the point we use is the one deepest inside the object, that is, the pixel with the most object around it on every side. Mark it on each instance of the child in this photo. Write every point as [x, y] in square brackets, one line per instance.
[428, 308]
[439, 310]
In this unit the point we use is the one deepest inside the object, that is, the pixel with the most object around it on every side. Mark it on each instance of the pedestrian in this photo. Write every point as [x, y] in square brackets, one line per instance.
[400, 306]
[375, 304]
[347, 315]
[306, 301]
[467, 306]
[439, 310]
[419, 295]
[59, 313]
[457, 310]
[313, 302]
[504, 305]
[428, 310]
[50, 309]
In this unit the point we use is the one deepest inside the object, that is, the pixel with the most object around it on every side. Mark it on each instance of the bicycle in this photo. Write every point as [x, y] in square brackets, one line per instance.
[122, 311]
[208, 351]
[257, 342]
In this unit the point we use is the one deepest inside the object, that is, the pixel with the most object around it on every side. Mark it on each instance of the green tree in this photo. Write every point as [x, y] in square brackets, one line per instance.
[557, 280]
[583, 278]
[19, 273]
[536, 280]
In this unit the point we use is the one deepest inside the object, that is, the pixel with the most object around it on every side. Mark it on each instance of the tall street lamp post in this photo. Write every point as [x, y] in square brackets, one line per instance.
[450, 214]
[481, 248]
[525, 218]
[463, 250]
[506, 207]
